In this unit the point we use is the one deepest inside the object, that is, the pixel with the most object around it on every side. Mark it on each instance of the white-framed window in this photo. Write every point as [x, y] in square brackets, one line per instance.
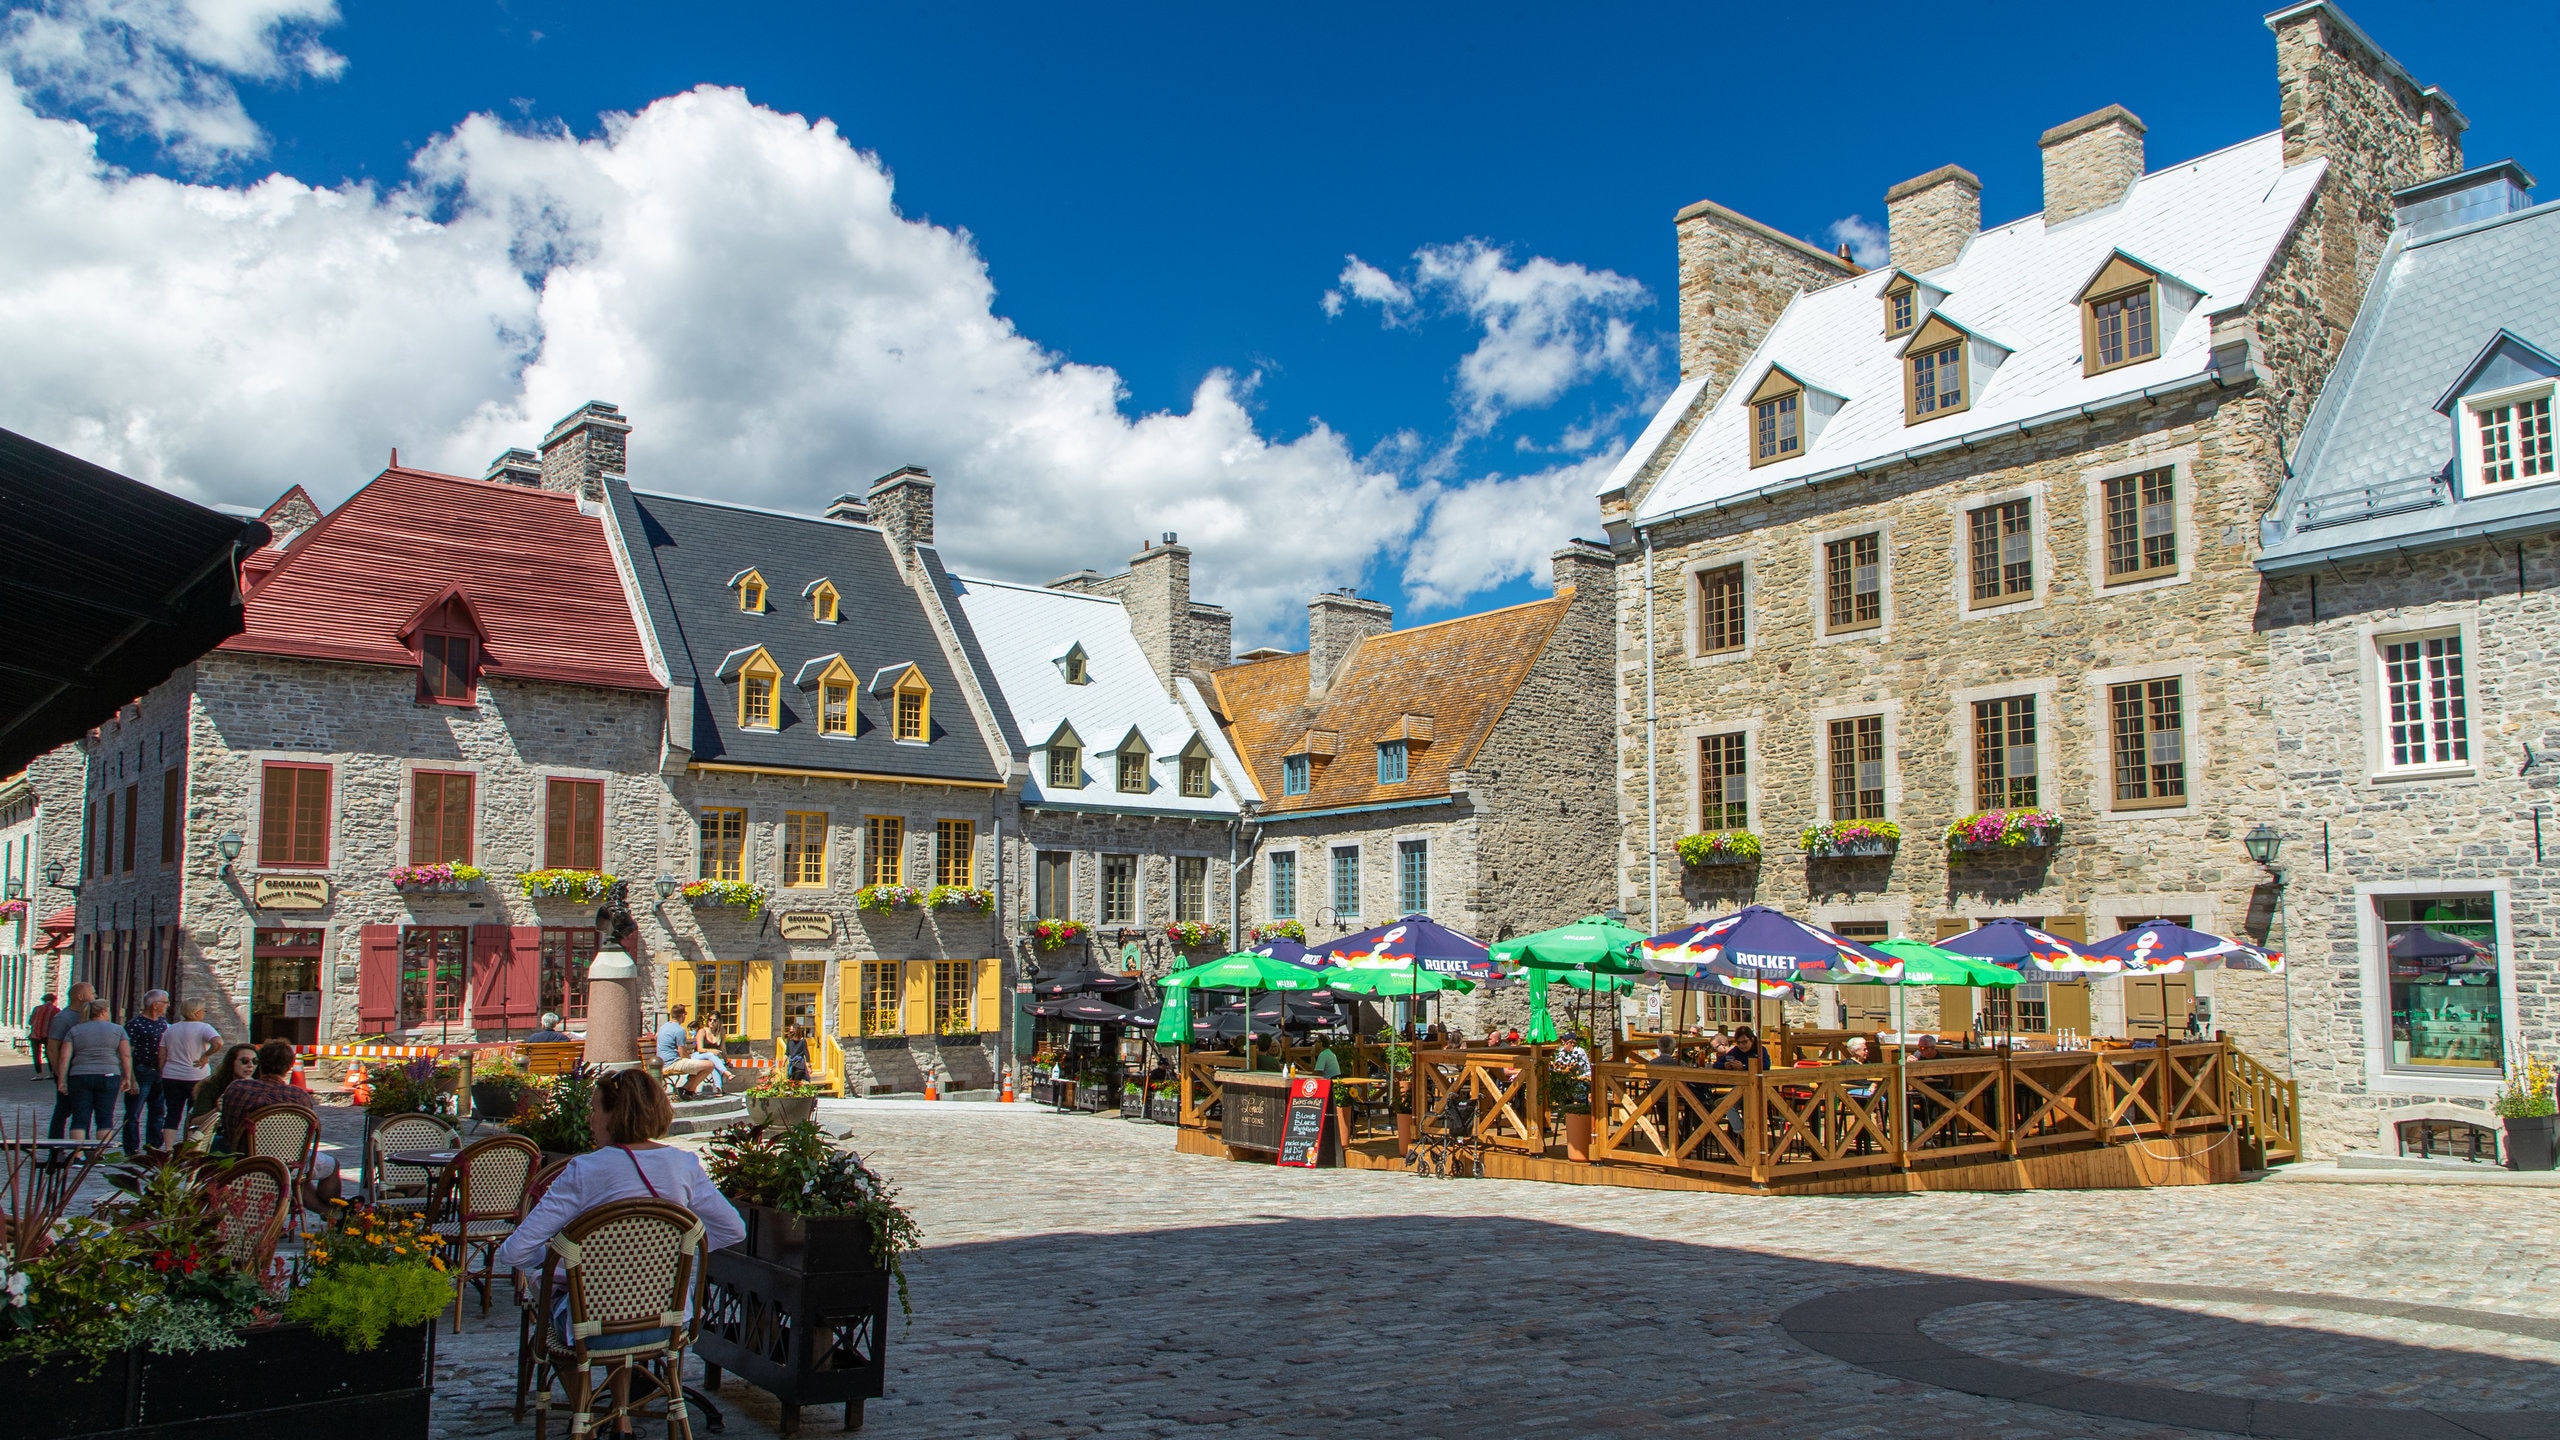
[2506, 438]
[2426, 715]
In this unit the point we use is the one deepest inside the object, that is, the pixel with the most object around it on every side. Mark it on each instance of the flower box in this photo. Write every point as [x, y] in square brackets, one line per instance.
[726, 895]
[1851, 849]
[780, 1109]
[1058, 934]
[1718, 848]
[1194, 935]
[967, 898]
[1277, 930]
[960, 1039]
[815, 1279]
[1988, 831]
[436, 879]
[280, 1380]
[1851, 839]
[565, 884]
[1165, 1109]
[881, 899]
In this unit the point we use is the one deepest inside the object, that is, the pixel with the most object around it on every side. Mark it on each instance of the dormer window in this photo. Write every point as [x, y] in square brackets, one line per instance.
[1777, 418]
[1937, 381]
[1939, 368]
[1392, 762]
[903, 689]
[1066, 758]
[835, 683]
[1071, 665]
[1294, 773]
[2120, 330]
[751, 591]
[1129, 770]
[2507, 438]
[1901, 309]
[2126, 310]
[450, 649]
[914, 710]
[823, 600]
[759, 693]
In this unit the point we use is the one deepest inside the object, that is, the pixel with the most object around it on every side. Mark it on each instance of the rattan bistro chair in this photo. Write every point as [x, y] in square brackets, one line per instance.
[288, 1133]
[404, 1189]
[528, 1307]
[631, 1273]
[253, 1194]
[478, 1209]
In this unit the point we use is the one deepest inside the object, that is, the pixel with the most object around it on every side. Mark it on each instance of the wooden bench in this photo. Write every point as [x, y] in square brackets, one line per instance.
[553, 1057]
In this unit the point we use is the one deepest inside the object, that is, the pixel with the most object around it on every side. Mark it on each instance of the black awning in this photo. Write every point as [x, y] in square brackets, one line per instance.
[108, 585]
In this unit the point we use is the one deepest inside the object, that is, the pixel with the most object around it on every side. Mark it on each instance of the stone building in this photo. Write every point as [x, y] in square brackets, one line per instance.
[1974, 531]
[2409, 612]
[441, 671]
[1458, 769]
[830, 750]
[1130, 803]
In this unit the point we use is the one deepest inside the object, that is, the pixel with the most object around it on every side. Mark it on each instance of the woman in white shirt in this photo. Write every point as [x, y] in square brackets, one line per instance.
[628, 1113]
[186, 1057]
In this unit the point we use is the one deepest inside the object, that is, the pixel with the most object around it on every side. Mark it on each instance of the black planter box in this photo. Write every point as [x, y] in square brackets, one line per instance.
[2532, 1141]
[282, 1381]
[799, 1310]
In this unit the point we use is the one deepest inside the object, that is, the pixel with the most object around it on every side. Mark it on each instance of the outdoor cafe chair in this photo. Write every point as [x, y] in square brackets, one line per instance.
[291, 1134]
[528, 1310]
[403, 1188]
[477, 1210]
[253, 1193]
[632, 1276]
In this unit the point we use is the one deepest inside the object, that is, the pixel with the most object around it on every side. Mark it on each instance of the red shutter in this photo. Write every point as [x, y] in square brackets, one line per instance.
[523, 978]
[489, 946]
[378, 980]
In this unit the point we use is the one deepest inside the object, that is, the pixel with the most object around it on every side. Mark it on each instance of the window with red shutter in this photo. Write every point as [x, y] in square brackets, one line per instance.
[573, 825]
[293, 816]
[440, 813]
[378, 979]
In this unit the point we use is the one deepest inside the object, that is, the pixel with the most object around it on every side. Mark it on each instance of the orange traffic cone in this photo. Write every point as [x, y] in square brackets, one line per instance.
[1008, 1087]
[931, 1092]
[295, 1079]
[359, 1085]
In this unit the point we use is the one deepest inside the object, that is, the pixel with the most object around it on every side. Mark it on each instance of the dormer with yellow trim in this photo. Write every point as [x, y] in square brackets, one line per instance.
[759, 687]
[910, 701]
[1945, 364]
[1786, 413]
[2128, 311]
[835, 683]
[823, 600]
[751, 591]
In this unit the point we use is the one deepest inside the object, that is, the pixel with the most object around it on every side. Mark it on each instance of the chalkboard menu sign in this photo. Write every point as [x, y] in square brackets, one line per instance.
[1302, 1133]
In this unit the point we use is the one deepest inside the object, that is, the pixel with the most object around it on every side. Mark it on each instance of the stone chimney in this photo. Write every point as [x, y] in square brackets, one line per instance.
[588, 444]
[1589, 569]
[1736, 275]
[1213, 636]
[901, 504]
[516, 466]
[1336, 621]
[2090, 162]
[1157, 595]
[1928, 218]
[849, 507]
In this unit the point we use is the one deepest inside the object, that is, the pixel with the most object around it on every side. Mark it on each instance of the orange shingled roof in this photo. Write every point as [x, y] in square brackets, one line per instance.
[1461, 673]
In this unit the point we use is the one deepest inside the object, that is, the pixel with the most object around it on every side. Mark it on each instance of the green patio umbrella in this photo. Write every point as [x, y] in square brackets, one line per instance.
[1244, 971]
[1594, 945]
[1542, 1022]
[1391, 981]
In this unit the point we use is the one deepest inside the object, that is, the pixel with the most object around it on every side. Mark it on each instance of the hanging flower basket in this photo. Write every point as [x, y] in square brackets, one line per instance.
[565, 884]
[429, 879]
[1851, 839]
[1719, 847]
[885, 898]
[1277, 930]
[959, 897]
[726, 895]
[1059, 934]
[2010, 830]
[1194, 935]
[12, 909]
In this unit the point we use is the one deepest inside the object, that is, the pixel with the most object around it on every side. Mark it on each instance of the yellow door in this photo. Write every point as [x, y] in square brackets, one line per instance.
[755, 1002]
[918, 977]
[805, 1006]
[680, 985]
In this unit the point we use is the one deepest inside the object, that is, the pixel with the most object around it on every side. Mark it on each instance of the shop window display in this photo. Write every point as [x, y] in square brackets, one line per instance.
[2447, 1008]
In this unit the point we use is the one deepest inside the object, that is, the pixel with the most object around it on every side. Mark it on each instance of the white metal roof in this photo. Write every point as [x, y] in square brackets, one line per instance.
[1025, 630]
[2213, 223]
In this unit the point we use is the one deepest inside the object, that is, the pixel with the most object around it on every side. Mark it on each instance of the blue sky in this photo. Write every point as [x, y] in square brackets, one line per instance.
[1160, 196]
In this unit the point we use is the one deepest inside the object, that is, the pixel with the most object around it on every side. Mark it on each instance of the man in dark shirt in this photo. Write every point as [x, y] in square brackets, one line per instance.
[243, 1098]
[144, 1031]
[1747, 1052]
[550, 1033]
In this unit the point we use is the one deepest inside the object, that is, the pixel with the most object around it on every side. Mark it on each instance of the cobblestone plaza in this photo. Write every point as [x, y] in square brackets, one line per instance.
[1081, 1279]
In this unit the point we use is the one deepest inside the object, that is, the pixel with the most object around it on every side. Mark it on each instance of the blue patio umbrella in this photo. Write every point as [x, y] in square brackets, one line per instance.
[2161, 947]
[1284, 948]
[1759, 950]
[1413, 940]
[2030, 951]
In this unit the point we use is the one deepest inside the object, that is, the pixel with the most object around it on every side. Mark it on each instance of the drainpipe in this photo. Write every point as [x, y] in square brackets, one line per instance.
[1652, 837]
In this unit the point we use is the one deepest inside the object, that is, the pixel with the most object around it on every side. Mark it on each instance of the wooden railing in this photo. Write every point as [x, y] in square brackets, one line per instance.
[2266, 1107]
[1502, 1083]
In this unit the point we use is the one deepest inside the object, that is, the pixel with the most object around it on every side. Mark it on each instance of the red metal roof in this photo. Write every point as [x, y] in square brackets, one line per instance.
[538, 575]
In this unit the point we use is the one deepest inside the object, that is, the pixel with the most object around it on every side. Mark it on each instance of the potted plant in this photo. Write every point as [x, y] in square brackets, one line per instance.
[1133, 1099]
[497, 1094]
[1164, 1102]
[777, 1099]
[1398, 1057]
[2004, 830]
[811, 1205]
[565, 884]
[1851, 839]
[1566, 1089]
[1719, 848]
[959, 897]
[437, 879]
[881, 899]
[1058, 934]
[2531, 1114]
[726, 895]
[1276, 930]
[555, 1118]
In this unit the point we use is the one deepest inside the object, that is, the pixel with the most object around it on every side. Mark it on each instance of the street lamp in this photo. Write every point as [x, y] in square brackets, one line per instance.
[2262, 844]
[668, 885]
[228, 846]
[53, 877]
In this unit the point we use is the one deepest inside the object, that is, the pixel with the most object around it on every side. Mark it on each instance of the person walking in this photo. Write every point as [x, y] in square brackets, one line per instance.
[40, 1034]
[59, 1032]
[142, 1101]
[186, 1061]
[96, 1066]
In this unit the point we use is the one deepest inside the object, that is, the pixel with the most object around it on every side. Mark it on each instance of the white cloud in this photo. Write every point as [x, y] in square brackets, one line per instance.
[166, 67]
[1493, 530]
[1866, 242]
[1547, 325]
[739, 281]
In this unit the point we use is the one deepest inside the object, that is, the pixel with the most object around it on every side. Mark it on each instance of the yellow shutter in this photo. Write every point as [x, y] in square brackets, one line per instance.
[1955, 1008]
[848, 1016]
[2069, 927]
[1952, 925]
[2068, 1006]
[918, 976]
[990, 995]
[755, 1002]
[680, 985]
